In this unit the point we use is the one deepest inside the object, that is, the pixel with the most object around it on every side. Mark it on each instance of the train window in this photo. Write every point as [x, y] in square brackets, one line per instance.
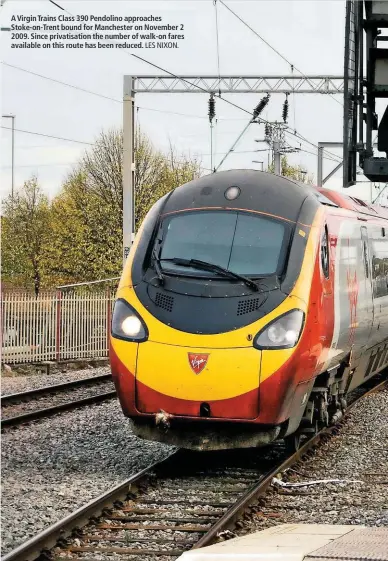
[380, 268]
[243, 243]
[323, 199]
[325, 253]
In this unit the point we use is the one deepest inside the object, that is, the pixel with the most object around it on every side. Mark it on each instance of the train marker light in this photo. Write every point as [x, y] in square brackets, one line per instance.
[232, 192]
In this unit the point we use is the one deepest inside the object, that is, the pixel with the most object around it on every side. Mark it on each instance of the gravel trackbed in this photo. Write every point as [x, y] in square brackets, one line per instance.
[53, 466]
[358, 452]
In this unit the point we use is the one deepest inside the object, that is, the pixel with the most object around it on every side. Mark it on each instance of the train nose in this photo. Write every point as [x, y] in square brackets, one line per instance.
[198, 382]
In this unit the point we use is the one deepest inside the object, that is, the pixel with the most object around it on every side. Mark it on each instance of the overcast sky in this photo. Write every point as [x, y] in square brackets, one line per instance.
[310, 34]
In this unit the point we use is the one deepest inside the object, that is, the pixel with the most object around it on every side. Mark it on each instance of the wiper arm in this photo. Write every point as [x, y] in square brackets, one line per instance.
[157, 267]
[198, 264]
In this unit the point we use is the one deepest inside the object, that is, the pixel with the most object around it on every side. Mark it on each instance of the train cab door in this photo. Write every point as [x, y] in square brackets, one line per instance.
[365, 308]
[327, 275]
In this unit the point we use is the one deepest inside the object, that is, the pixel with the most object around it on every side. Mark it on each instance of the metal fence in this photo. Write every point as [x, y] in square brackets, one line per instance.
[55, 326]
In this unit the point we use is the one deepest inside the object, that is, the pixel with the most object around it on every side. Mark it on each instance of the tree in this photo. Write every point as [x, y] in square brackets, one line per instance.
[293, 172]
[86, 234]
[86, 217]
[24, 236]
[155, 173]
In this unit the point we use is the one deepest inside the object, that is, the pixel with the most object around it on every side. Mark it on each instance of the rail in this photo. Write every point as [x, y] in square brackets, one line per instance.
[27, 398]
[129, 488]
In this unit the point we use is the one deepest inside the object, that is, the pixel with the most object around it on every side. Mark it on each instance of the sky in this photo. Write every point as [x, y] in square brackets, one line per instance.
[308, 33]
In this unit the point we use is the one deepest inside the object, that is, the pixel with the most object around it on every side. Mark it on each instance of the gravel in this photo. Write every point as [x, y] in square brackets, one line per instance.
[24, 383]
[358, 452]
[58, 398]
[53, 466]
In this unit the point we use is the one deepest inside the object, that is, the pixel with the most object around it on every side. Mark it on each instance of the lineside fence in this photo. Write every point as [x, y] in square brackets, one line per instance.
[55, 326]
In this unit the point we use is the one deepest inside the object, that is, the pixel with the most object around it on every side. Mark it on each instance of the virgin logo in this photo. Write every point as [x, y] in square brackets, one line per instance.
[197, 362]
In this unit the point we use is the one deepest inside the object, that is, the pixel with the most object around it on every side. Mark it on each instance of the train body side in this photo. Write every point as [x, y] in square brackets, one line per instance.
[359, 256]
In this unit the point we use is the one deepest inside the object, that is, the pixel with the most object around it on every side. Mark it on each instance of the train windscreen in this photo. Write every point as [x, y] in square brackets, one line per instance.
[244, 243]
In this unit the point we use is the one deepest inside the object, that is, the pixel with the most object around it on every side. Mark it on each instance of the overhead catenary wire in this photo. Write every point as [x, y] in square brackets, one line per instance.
[203, 89]
[212, 100]
[49, 136]
[218, 49]
[295, 132]
[268, 44]
[55, 4]
[97, 94]
[314, 154]
[379, 195]
[190, 83]
[260, 119]
[62, 83]
[60, 7]
[40, 165]
[196, 86]
[91, 92]
[231, 149]
[293, 97]
[255, 115]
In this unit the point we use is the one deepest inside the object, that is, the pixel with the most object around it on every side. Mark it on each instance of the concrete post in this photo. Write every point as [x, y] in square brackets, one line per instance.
[276, 157]
[320, 165]
[128, 165]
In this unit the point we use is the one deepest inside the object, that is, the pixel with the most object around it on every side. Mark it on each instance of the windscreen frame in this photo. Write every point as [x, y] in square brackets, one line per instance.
[160, 233]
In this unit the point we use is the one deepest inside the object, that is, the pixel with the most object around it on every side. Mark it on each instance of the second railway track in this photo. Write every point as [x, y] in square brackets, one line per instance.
[19, 408]
[183, 502]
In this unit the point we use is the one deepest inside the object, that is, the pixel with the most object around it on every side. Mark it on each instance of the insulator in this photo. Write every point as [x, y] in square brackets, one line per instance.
[267, 130]
[260, 106]
[212, 108]
[285, 110]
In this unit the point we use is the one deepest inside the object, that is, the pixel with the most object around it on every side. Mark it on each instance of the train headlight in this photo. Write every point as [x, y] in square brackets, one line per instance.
[281, 333]
[127, 324]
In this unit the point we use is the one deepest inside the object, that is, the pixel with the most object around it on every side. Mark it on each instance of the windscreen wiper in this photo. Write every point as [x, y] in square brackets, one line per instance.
[205, 266]
[157, 267]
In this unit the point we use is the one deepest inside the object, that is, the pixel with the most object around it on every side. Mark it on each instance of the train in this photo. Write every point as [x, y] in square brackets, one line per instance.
[248, 309]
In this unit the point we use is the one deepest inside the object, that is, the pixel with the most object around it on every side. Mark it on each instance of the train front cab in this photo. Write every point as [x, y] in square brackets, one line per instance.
[227, 387]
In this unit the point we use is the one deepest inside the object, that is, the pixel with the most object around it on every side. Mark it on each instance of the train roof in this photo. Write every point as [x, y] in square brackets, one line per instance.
[355, 204]
[261, 191]
[264, 192]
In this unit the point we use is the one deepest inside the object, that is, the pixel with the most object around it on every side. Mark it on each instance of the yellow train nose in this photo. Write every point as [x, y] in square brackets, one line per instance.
[200, 375]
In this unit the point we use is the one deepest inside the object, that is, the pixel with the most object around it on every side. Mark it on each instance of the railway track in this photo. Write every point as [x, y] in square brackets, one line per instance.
[185, 501]
[19, 408]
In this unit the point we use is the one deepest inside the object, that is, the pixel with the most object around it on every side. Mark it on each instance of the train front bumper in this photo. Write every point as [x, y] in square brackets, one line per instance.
[206, 435]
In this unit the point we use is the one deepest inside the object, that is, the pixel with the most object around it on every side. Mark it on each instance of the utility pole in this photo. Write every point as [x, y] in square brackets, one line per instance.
[13, 150]
[128, 166]
[274, 137]
[276, 157]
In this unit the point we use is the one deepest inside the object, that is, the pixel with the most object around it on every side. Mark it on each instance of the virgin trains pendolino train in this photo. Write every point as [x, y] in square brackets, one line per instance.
[249, 307]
